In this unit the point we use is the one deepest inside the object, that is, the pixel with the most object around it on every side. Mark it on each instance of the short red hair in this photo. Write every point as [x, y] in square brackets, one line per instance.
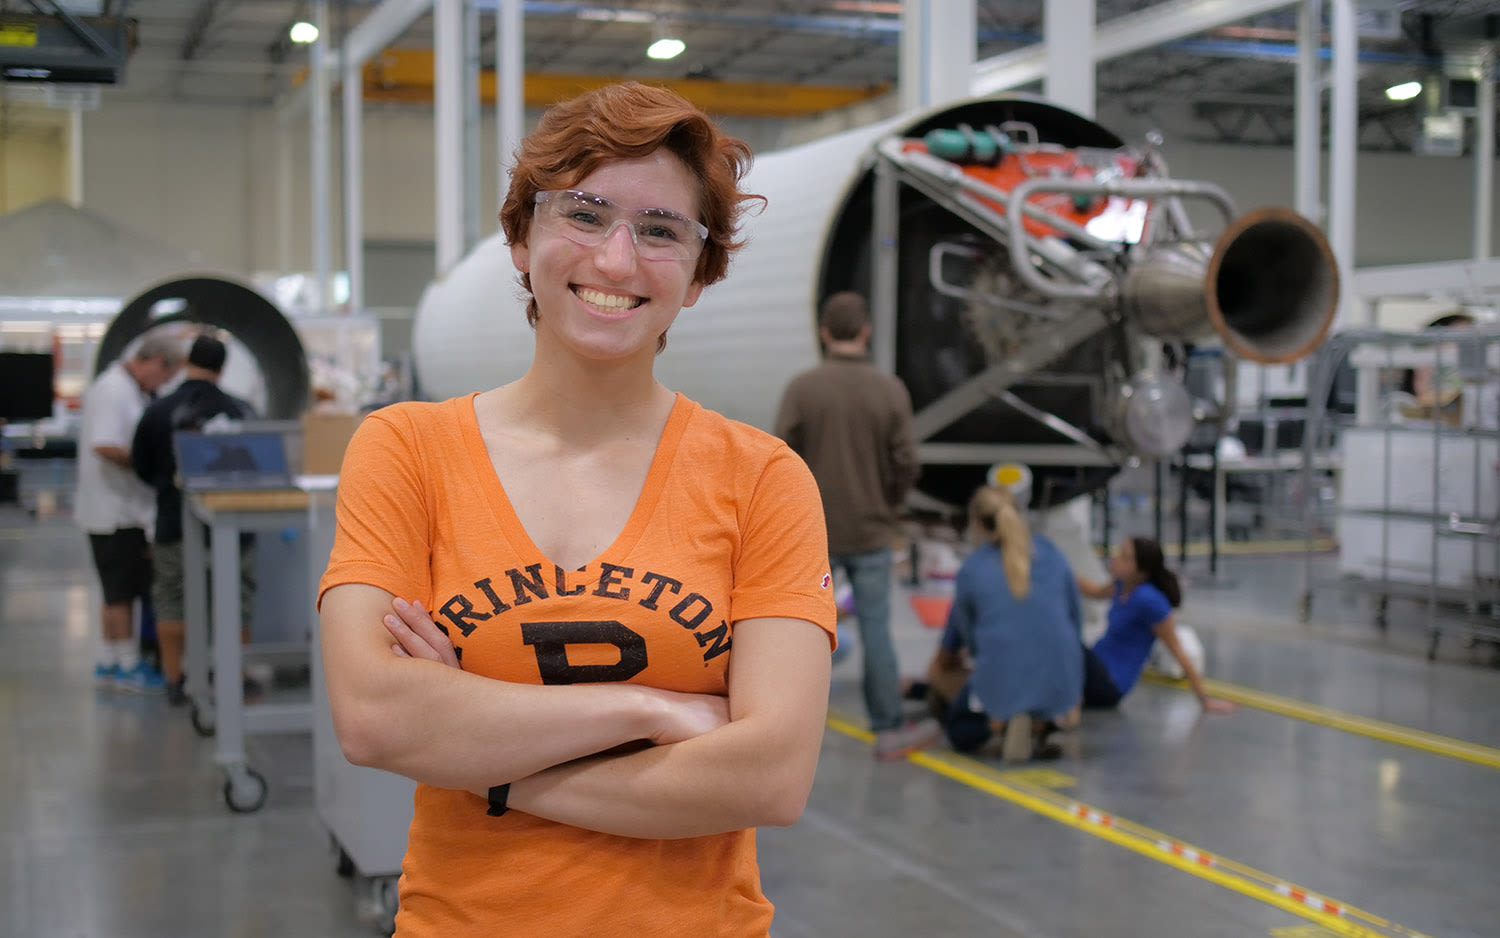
[626, 121]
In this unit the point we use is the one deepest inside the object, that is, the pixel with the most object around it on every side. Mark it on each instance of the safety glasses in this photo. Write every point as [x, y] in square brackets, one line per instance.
[659, 234]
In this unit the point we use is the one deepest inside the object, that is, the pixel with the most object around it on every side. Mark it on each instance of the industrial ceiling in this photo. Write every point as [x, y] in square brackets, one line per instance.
[1238, 79]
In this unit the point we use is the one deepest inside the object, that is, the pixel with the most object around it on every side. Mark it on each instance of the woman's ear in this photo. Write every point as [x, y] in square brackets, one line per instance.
[520, 255]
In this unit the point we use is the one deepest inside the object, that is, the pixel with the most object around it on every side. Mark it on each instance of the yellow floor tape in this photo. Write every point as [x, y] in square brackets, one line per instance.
[1348, 722]
[1338, 917]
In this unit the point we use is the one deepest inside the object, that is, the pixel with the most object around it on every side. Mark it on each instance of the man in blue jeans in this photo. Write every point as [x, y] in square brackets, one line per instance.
[852, 424]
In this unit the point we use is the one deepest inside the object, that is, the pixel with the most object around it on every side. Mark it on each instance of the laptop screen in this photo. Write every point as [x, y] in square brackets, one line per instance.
[254, 459]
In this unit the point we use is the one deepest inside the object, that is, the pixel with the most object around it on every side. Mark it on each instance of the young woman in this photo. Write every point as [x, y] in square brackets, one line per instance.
[1142, 596]
[611, 608]
[1016, 616]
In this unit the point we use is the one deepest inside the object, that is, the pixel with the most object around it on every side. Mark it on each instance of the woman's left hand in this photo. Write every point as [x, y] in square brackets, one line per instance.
[417, 636]
[1216, 705]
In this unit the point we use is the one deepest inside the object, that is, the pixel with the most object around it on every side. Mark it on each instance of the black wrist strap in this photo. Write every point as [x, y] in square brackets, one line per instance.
[498, 796]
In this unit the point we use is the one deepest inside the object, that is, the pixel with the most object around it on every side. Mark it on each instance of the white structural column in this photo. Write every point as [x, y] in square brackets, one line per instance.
[472, 107]
[284, 201]
[1343, 152]
[354, 181]
[378, 28]
[1308, 136]
[1484, 156]
[321, 89]
[1068, 34]
[448, 48]
[938, 48]
[75, 155]
[510, 64]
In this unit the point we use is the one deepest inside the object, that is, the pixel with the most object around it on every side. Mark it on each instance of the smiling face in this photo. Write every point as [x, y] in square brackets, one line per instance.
[606, 302]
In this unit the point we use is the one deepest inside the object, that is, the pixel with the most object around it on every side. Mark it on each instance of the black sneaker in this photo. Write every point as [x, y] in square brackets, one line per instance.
[176, 693]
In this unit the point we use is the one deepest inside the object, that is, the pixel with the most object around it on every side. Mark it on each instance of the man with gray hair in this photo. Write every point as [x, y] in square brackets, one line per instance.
[114, 507]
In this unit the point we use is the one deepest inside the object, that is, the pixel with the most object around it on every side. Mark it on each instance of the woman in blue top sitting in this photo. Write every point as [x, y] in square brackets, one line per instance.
[1017, 615]
[1142, 596]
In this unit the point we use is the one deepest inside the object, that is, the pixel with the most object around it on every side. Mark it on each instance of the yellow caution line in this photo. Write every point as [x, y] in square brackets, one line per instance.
[1348, 722]
[1338, 917]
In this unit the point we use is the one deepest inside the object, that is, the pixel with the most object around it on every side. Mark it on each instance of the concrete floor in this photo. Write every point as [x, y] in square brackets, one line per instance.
[113, 825]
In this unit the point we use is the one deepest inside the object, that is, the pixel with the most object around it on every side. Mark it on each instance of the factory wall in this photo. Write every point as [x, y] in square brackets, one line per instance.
[205, 180]
[33, 154]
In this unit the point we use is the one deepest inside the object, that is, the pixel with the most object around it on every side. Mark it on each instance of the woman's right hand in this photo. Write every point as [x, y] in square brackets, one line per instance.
[684, 716]
[417, 636]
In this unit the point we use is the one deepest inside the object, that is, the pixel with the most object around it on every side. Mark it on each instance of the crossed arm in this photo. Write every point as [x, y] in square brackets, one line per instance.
[716, 764]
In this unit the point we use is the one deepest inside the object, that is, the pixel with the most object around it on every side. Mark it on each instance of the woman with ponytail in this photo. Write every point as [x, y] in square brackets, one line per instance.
[1142, 596]
[1016, 615]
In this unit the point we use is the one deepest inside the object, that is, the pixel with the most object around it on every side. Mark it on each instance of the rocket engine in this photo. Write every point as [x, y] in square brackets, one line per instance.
[1034, 282]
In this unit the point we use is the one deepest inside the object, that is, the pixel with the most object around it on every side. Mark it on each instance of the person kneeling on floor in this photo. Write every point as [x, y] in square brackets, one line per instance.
[1008, 666]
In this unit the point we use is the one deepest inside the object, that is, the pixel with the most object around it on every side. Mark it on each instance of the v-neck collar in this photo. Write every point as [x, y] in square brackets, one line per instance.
[488, 481]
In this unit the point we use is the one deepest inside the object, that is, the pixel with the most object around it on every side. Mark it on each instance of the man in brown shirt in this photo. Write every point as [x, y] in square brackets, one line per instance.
[852, 424]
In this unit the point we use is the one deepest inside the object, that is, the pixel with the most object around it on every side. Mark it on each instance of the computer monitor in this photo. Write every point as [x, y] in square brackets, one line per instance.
[238, 460]
[26, 385]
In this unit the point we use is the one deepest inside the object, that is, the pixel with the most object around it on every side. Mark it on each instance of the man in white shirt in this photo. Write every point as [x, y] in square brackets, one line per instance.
[115, 508]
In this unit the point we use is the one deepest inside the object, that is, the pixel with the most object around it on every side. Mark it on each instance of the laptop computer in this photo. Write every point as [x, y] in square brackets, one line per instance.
[251, 456]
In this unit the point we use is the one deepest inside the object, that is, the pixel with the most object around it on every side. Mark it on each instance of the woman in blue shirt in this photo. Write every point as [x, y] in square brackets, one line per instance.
[1142, 596]
[1017, 615]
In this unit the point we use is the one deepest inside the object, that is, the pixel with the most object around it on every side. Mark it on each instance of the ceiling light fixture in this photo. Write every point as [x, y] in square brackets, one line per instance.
[304, 33]
[664, 44]
[666, 48]
[1404, 91]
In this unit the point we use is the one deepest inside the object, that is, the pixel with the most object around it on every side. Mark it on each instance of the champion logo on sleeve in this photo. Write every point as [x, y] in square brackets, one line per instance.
[827, 580]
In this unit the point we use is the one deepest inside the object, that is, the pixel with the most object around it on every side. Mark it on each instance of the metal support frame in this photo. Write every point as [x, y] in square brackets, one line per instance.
[1458, 279]
[114, 53]
[1128, 188]
[1032, 454]
[947, 186]
[985, 385]
[203, 16]
[1052, 422]
[1160, 23]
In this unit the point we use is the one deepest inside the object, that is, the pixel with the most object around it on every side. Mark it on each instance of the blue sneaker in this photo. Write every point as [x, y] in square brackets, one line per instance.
[107, 674]
[142, 679]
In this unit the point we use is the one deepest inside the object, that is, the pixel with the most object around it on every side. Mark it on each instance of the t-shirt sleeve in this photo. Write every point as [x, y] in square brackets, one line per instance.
[382, 538]
[782, 567]
[1153, 609]
[115, 424]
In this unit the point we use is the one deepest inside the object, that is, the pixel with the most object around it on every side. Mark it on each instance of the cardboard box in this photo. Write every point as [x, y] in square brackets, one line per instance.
[324, 439]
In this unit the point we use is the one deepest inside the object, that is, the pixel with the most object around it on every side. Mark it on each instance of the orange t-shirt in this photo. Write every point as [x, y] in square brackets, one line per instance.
[728, 526]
